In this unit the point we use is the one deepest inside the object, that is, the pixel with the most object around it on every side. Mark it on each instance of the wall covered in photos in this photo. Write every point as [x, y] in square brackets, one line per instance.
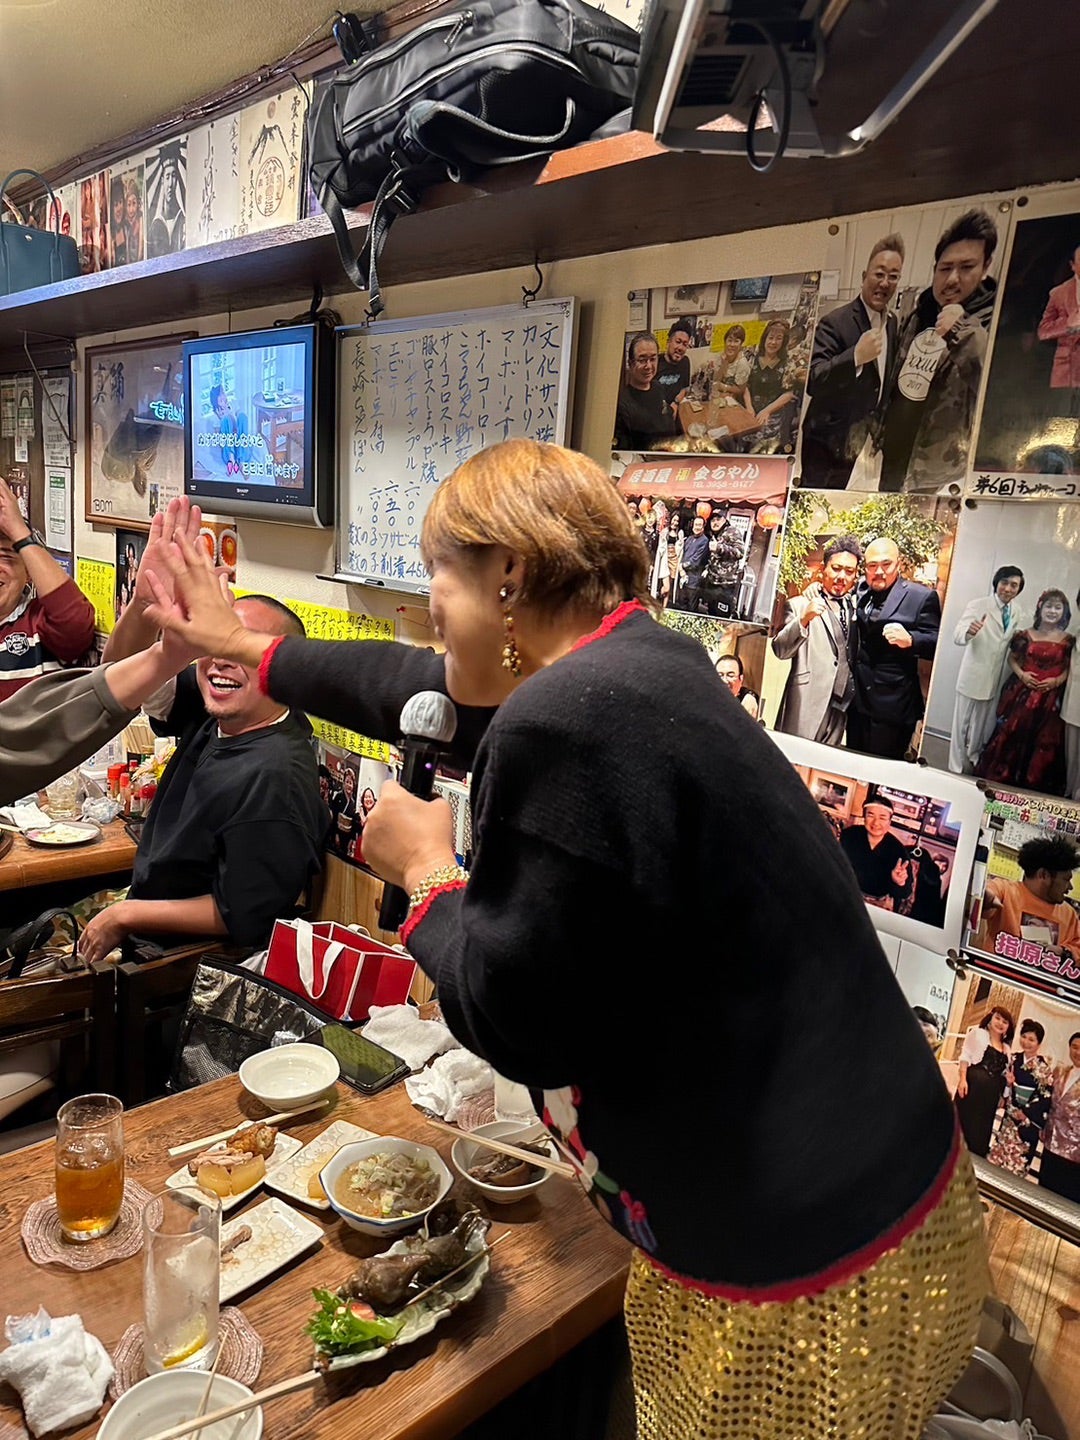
[881, 448]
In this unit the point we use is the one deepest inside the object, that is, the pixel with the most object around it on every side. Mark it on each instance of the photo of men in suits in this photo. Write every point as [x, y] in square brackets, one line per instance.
[854, 350]
[818, 636]
[898, 623]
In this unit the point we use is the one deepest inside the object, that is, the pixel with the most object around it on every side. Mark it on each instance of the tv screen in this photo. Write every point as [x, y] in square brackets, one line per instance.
[258, 413]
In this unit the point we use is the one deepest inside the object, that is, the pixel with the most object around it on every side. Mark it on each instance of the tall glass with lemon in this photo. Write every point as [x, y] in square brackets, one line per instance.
[182, 1235]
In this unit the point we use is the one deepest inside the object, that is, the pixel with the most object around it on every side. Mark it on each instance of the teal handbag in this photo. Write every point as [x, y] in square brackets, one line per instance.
[30, 257]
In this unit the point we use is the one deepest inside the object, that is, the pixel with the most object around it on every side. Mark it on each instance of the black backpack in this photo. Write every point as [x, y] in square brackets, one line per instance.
[488, 82]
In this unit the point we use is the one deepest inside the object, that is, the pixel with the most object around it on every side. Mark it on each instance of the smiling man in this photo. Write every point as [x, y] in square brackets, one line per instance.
[237, 827]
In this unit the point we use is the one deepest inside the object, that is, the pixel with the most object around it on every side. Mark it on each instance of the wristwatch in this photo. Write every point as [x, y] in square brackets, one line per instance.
[32, 539]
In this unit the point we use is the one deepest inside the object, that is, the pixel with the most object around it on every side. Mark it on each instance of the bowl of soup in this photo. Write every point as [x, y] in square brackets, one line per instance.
[386, 1185]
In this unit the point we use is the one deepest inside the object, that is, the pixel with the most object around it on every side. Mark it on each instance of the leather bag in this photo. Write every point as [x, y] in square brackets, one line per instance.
[481, 84]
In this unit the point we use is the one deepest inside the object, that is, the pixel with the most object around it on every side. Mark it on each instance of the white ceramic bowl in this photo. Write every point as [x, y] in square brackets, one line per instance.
[465, 1153]
[164, 1400]
[382, 1145]
[289, 1076]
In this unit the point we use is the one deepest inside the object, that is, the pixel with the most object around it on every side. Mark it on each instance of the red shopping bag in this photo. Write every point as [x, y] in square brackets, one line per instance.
[340, 970]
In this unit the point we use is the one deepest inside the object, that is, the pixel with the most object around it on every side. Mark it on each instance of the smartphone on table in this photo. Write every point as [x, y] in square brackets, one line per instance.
[365, 1066]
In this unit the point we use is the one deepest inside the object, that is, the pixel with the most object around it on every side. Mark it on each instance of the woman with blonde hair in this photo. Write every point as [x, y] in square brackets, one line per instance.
[789, 1276]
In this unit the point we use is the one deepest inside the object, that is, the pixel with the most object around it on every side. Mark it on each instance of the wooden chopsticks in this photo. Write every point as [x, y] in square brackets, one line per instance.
[282, 1117]
[542, 1162]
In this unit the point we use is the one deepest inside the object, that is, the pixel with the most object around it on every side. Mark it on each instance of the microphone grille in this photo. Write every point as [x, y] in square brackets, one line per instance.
[429, 715]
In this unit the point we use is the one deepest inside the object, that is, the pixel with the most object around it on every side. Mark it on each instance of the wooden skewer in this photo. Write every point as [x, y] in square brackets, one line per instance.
[283, 1387]
[284, 1116]
[438, 1284]
[542, 1162]
[210, 1378]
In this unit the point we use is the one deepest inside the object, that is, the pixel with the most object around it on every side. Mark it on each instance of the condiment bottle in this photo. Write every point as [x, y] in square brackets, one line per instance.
[124, 794]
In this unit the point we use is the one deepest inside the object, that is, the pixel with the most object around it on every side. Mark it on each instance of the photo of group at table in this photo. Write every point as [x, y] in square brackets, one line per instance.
[1029, 433]
[1013, 1061]
[716, 368]
[1005, 700]
[855, 640]
[897, 359]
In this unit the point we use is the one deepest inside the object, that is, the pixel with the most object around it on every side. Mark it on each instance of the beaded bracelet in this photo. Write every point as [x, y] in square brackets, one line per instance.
[444, 876]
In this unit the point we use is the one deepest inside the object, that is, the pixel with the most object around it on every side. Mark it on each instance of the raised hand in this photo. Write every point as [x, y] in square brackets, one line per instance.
[193, 600]
[948, 316]
[869, 346]
[180, 517]
[12, 524]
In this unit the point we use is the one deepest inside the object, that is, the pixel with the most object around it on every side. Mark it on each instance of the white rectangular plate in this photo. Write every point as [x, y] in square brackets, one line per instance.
[291, 1178]
[280, 1234]
[285, 1147]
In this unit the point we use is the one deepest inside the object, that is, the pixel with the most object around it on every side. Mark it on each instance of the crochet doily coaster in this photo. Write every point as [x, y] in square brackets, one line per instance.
[45, 1243]
[241, 1353]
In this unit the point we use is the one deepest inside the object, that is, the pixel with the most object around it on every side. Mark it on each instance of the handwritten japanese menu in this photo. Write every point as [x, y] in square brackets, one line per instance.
[418, 397]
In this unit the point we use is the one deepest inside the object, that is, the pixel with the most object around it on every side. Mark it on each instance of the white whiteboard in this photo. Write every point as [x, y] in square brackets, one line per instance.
[417, 397]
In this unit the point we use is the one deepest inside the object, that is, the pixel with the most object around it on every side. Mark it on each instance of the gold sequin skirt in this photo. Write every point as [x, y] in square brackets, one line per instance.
[866, 1359]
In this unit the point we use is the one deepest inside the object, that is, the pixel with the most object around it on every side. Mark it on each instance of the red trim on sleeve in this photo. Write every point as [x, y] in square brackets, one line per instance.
[843, 1270]
[618, 615]
[264, 664]
[416, 916]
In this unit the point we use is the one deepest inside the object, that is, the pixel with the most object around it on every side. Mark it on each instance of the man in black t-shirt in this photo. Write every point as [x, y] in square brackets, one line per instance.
[880, 859]
[642, 415]
[673, 368]
[238, 825]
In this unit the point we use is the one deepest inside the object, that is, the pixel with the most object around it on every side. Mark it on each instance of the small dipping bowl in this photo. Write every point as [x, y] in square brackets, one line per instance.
[164, 1400]
[465, 1153]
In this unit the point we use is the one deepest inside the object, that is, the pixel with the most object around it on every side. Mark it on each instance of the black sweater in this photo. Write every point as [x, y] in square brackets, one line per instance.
[574, 958]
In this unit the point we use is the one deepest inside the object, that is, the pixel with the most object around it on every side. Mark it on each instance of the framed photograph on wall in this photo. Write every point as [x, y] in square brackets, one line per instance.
[692, 300]
[134, 437]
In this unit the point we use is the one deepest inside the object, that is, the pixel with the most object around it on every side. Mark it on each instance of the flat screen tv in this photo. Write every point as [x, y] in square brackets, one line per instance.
[259, 422]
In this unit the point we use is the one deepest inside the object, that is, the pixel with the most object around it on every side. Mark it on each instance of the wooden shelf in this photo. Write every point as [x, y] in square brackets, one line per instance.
[958, 137]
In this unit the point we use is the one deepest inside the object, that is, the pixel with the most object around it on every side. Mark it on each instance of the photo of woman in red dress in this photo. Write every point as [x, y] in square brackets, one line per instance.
[1027, 746]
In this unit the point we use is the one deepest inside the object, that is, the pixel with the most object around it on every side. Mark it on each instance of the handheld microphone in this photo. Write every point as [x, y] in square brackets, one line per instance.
[428, 723]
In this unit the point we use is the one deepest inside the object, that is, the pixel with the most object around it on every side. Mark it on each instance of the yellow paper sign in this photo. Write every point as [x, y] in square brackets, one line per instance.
[97, 580]
[322, 622]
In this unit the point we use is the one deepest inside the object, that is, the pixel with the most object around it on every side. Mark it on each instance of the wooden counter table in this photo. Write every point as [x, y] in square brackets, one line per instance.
[26, 865]
[558, 1279]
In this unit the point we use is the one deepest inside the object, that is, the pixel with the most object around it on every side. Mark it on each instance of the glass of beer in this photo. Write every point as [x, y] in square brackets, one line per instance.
[181, 1280]
[89, 1166]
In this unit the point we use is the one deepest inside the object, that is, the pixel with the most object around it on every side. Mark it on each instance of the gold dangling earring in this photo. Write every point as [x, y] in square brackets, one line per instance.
[511, 655]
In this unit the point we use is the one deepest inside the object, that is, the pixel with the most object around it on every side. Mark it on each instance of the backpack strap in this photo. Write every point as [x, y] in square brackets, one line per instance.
[395, 197]
[21, 942]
